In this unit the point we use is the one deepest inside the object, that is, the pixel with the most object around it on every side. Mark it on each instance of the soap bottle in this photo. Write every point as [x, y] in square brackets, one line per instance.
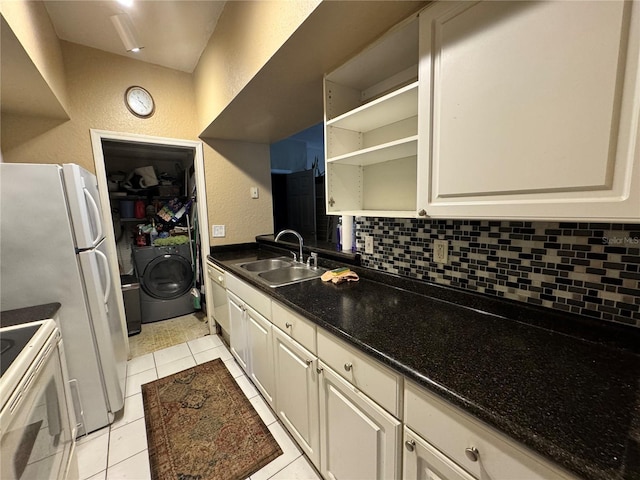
[140, 238]
[154, 233]
[339, 234]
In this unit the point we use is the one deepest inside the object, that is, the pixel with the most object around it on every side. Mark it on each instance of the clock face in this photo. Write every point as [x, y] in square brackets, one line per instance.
[139, 102]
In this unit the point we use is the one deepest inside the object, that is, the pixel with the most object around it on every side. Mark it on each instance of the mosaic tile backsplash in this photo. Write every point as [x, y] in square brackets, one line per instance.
[592, 269]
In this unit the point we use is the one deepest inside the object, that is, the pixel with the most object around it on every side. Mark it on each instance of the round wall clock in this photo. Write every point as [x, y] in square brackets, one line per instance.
[139, 102]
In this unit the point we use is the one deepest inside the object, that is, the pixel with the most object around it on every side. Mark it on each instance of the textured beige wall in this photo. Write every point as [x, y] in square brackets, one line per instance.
[97, 81]
[246, 37]
[32, 27]
[232, 168]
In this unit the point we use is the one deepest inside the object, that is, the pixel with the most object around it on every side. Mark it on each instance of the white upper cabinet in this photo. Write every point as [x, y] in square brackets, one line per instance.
[371, 128]
[506, 110]
[530, 110]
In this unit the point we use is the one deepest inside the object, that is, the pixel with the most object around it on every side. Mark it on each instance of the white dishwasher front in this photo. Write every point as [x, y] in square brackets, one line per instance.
[220, 310]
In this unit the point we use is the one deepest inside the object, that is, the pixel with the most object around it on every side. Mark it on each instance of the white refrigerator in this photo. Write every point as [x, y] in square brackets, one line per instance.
[53, 249]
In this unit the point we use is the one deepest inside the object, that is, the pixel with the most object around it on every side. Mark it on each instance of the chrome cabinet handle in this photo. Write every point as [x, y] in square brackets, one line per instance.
[422, 213]
[410, 444]
[348, 366]
[472, 453]
[308, 362]
[288, 325]
[319, 370]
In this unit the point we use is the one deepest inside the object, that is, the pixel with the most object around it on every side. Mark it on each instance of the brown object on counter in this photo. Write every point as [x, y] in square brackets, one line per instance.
[340, 276]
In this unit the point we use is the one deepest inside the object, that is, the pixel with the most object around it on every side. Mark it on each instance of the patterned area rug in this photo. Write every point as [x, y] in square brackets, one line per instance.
[200, 426]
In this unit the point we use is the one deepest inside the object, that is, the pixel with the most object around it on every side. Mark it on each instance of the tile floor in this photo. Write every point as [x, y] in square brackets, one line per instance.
[158, 335]
[120, 450]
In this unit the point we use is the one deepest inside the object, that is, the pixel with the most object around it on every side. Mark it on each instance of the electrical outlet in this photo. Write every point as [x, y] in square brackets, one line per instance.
[440, 251]
[368, 244]
[218, 230]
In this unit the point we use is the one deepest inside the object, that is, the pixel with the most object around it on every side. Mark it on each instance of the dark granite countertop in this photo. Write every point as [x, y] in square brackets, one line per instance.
[565, 386]
[28, 314]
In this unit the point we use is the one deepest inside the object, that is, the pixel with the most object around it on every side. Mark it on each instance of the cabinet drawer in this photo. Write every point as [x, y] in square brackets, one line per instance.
[374, 379]
[215, 274]
[249, 295]
[295, 326]
[452, 432]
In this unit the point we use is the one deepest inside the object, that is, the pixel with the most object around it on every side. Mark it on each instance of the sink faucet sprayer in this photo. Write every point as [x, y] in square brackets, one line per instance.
[300, 241]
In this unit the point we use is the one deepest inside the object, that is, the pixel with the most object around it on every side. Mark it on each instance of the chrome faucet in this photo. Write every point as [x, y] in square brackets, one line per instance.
[299, 241]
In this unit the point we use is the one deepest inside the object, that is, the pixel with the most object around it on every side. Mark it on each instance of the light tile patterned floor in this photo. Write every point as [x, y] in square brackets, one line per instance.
[120, 450]
[166, 333]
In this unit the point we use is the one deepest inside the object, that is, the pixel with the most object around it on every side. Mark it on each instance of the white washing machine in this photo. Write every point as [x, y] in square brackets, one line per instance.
[166, 277]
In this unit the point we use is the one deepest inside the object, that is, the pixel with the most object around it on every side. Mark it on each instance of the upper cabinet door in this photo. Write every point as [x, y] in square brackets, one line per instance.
[530, 110]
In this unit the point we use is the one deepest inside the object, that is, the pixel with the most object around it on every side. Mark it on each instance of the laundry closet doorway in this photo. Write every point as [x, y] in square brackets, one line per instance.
[126, 165]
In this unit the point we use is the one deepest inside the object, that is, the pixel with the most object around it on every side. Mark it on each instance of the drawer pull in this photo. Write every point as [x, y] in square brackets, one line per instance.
[348, 367]
[309, 362]
[288, 325]
[319, 370]
[472, 453]
[410, 444]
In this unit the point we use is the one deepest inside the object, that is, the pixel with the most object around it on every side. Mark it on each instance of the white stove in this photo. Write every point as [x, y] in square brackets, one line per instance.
[37, 423]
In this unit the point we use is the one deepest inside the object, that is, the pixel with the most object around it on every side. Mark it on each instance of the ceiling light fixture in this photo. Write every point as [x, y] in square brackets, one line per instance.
[126, 3]
[127, 33]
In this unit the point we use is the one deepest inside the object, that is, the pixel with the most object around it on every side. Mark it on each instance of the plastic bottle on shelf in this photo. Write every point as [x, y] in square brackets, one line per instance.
[140, 209]
[154, 233]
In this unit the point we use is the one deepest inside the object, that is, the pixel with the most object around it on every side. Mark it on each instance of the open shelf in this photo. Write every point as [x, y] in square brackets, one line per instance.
[391, 108]
[371, 128]
[405, 147]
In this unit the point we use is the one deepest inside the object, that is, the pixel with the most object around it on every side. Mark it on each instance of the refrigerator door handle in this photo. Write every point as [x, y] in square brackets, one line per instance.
[105, 262]
[96, 214]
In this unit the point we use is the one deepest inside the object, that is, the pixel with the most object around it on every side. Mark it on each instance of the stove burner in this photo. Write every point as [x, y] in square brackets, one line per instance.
[12, 343]
[6, 344]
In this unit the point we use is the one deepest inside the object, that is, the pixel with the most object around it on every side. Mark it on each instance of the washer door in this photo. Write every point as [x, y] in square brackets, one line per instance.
[167, 277]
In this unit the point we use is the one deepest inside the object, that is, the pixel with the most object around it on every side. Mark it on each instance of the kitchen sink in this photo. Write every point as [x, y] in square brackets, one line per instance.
[280, 271]
[288, 275]
[267, 264]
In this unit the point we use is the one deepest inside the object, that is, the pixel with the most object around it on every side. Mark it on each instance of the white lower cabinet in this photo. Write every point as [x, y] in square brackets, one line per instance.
[296, 382]
[358, 438]
[347, 422]
[238, 333]
[251, 344]
[259, 343]
[422, 461]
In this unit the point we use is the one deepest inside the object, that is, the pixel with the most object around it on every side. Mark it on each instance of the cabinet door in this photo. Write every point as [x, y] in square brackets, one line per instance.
[238, 333]
[358, 438]
[296, 382]
[421, 461]
[260, 353]
[523, 115]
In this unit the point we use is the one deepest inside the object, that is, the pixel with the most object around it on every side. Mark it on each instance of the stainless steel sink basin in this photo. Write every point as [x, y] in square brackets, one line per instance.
[266, 264]
[288, 275]
[280, 271]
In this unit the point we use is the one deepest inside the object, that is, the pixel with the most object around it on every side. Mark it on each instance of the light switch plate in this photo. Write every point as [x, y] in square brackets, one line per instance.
[368, 244]
[218, 230]
[440, 251]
